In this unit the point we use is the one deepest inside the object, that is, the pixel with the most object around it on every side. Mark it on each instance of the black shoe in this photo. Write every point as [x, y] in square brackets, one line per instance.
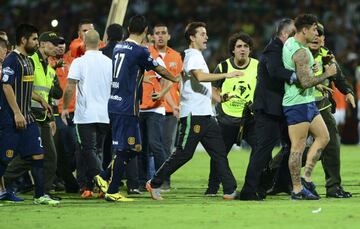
[249, 196]
[309, 186]
[134, 191]
[278, 189]
[304, 194]
[339, 193]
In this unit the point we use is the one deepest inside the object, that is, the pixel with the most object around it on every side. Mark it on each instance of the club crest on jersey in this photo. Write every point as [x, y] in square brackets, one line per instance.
[9, 153]
[131, 140]
[197, 129]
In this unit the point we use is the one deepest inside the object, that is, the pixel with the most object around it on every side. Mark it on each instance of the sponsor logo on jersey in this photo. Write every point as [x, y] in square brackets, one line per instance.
[115, 85]
[116, 97]
[28, 78]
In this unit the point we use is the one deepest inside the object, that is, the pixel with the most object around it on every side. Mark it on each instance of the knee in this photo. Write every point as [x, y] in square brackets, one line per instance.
[324, 139]
[327, 139]
[298, 146]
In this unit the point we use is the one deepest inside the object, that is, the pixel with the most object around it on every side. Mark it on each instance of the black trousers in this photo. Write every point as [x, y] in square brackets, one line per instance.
[230, 136]
[91, 139]
[270, 130]
[195, 129]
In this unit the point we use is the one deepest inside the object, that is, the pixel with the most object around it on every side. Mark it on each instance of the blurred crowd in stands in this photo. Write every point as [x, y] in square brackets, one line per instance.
[341, 19]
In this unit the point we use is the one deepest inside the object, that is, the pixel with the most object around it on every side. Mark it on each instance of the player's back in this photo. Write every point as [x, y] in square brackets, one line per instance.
[129, 61]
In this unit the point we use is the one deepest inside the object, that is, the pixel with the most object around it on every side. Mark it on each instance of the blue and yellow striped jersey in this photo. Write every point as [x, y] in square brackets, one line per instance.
[18, 71]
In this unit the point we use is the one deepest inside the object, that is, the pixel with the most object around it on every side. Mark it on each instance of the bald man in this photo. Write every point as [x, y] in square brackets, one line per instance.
[91, 74]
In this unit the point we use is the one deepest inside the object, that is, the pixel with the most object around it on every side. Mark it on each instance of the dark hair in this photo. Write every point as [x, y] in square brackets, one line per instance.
[239, 36]
[305, 21]
[3, 42]
[282, 25]
[114, 32]
[190, 30]
[84, 22]
[24, 30]
[160, 24]
[137, 24]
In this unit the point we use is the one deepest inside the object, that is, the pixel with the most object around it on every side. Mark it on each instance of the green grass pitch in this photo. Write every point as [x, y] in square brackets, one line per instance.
[186, 207]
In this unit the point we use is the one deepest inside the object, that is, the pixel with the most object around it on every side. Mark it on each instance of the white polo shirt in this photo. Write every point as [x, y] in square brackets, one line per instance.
[195, 96]
[93, 70]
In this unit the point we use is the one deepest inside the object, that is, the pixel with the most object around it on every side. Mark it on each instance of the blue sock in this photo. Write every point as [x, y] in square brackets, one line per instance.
[37, 171]
[106, 174]
[118, 170]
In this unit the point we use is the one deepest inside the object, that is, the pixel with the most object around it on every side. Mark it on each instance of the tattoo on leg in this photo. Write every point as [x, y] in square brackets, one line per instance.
[309, 167]
[295, 167]
[308, 170]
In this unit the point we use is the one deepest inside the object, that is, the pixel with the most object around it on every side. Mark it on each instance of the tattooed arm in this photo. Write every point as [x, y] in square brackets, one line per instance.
[301, 59]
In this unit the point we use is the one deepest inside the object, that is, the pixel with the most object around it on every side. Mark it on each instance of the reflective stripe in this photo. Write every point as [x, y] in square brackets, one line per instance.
[41, 88]
[187, 130]
[77, 133]
[324, 108]
[36, 104]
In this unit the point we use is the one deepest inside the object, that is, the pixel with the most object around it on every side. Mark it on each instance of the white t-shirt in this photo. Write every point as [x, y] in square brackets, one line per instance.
[93, 70]
[195, 96]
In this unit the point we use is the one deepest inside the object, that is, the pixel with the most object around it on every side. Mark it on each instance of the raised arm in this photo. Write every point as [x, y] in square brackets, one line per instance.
[209, 77]
[301, 59]
[276, 68]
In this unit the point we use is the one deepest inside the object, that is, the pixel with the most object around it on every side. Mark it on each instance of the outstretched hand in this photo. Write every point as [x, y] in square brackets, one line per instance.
[234, 74]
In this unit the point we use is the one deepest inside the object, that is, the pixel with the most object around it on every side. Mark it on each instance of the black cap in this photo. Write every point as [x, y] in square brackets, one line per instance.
[320, 29]
[52, 37]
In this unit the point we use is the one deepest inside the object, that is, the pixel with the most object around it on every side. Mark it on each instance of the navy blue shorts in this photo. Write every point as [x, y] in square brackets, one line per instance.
[300, 113]
[26, 142]
[125, 132]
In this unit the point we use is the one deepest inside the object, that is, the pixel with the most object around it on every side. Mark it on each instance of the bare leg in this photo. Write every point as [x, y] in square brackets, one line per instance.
[320, 133]
[298, 134]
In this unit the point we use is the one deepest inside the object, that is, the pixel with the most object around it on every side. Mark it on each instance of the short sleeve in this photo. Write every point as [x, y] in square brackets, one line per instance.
[147, 62]
[74, 70]
[9, 73]
[193, 63]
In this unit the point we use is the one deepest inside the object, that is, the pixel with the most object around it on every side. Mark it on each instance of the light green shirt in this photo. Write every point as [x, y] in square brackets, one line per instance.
[294, 94]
